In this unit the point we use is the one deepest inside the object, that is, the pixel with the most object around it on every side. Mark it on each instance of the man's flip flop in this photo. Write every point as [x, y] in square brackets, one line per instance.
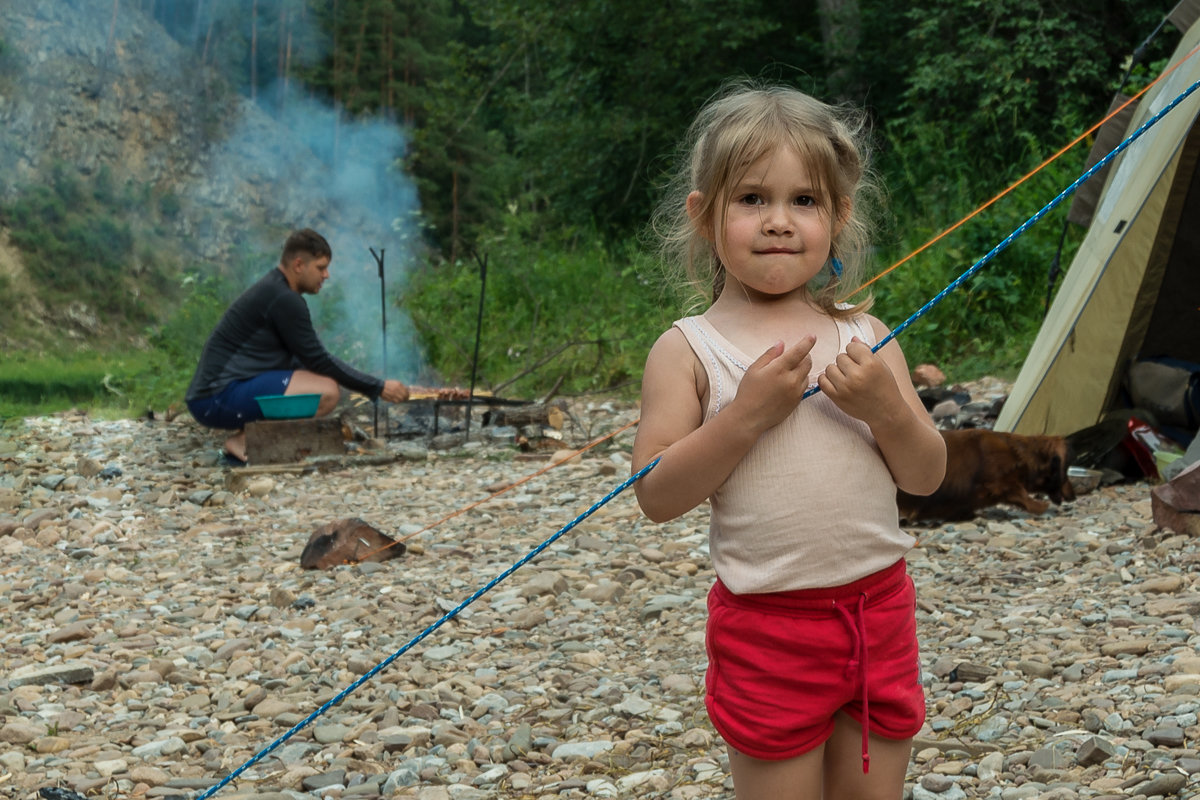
[228, 459]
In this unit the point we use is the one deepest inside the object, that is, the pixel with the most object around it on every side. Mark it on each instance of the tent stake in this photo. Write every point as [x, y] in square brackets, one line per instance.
[383, 333]
[478, 331]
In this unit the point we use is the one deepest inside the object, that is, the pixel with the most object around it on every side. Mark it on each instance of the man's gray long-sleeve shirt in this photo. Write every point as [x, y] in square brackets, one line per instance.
[269, 328]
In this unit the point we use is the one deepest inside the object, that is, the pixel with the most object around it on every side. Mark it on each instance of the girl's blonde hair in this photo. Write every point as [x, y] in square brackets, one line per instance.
[738, 126]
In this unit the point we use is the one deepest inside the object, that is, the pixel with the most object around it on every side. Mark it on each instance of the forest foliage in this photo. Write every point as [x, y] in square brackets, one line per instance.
[540, 134]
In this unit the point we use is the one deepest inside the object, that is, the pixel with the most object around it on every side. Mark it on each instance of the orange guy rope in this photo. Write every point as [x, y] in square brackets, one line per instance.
[1026, 177]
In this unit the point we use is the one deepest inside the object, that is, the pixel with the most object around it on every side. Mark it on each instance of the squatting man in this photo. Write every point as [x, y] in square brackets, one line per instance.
[265, 344]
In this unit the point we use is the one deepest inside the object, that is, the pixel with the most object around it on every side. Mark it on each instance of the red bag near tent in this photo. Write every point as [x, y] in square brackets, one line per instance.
[1150, 449]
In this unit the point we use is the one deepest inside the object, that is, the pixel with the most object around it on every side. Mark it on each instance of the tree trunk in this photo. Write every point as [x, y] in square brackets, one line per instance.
[454, 212]
[284, 65]
[196, 12]
[336, 88]
[841, 31]
[337, 83]
[408, 71]
[385, 91]
[287, 64]
[279, 44]
[109, 51]
[212, 20]
[254, 50]
[358, 52]
[112, 27]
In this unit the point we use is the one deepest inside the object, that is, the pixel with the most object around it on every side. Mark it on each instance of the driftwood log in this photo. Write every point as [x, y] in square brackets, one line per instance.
[287, 441]
[551, 415]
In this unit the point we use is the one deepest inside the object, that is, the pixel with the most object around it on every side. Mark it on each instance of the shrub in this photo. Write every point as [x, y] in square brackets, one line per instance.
[989, 323]
[79, 245]
[176, 342]
[568, 312]
[169, 205]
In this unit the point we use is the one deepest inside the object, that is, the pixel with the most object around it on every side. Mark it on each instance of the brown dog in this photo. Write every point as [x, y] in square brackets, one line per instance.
[984, 468]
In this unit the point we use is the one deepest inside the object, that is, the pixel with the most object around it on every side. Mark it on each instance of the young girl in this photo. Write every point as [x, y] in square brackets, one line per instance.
[813, 675]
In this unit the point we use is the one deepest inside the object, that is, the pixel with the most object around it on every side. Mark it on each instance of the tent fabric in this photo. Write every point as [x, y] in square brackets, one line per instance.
[1109, 303]
[1083, 204]
[1184, 14]
[1171, 327]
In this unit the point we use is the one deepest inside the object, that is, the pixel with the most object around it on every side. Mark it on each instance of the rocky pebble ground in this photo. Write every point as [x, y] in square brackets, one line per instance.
[157, 631]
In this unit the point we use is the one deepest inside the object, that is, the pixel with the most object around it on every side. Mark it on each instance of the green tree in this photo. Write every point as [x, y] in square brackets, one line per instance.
[1009, 77]
[595, 94]
[532, 122]
[401, 59]
[991, 88]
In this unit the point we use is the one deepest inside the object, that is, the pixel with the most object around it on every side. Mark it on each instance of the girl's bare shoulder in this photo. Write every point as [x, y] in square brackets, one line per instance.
[671, 341]
[672, 360]
[671, 353]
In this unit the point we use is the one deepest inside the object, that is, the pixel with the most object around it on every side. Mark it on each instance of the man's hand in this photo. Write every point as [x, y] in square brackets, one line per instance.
[394, 392]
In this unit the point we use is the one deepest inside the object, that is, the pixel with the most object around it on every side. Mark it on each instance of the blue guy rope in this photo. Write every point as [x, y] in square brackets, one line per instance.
[1046, 209]
[978, 265]
[449, 615]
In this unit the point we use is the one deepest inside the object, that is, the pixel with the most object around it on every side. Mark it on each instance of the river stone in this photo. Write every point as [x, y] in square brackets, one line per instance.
[1094, 750]
[220, 642]
[1162, 785]
[589, 750]
[39, 675]
[992, 728]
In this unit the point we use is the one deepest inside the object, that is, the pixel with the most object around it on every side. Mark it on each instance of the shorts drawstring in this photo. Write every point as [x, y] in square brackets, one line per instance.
[857, 625]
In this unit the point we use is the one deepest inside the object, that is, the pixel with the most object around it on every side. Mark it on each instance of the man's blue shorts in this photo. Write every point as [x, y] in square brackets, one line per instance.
[234, 406]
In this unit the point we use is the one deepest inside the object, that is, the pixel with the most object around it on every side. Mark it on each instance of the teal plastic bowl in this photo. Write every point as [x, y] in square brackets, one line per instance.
[289, 406]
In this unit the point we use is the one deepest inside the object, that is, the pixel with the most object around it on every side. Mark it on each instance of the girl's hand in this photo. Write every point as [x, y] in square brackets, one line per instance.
[695, 458]
[860, 383]
[774, 384]
[865, 386]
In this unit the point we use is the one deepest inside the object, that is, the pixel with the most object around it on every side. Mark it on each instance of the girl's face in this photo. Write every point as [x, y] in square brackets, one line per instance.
[777, 228]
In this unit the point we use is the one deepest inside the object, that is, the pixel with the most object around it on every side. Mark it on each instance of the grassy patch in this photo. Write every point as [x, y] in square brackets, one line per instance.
[122, 382]
[569, 313]
[33, 384]
[988, 324]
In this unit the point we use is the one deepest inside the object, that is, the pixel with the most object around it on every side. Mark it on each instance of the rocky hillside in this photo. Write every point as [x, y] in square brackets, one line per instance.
[88, 92]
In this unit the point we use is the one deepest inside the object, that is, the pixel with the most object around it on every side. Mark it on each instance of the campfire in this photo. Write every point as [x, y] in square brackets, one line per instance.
[444, 394]
[424, 413]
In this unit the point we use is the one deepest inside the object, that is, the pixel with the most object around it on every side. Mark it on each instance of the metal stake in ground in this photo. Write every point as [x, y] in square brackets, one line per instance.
[478, 330]
[383, 333]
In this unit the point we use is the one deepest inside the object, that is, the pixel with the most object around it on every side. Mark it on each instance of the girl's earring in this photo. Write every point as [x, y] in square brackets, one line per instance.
[835, 264]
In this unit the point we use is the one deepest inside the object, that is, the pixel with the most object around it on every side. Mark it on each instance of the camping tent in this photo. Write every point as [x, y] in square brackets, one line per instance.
[1133, 289]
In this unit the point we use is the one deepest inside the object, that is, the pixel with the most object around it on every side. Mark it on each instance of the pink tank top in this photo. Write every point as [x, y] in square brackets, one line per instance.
[812, 504]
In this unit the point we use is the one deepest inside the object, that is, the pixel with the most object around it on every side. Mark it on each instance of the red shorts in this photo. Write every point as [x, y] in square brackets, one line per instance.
[780, 665]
